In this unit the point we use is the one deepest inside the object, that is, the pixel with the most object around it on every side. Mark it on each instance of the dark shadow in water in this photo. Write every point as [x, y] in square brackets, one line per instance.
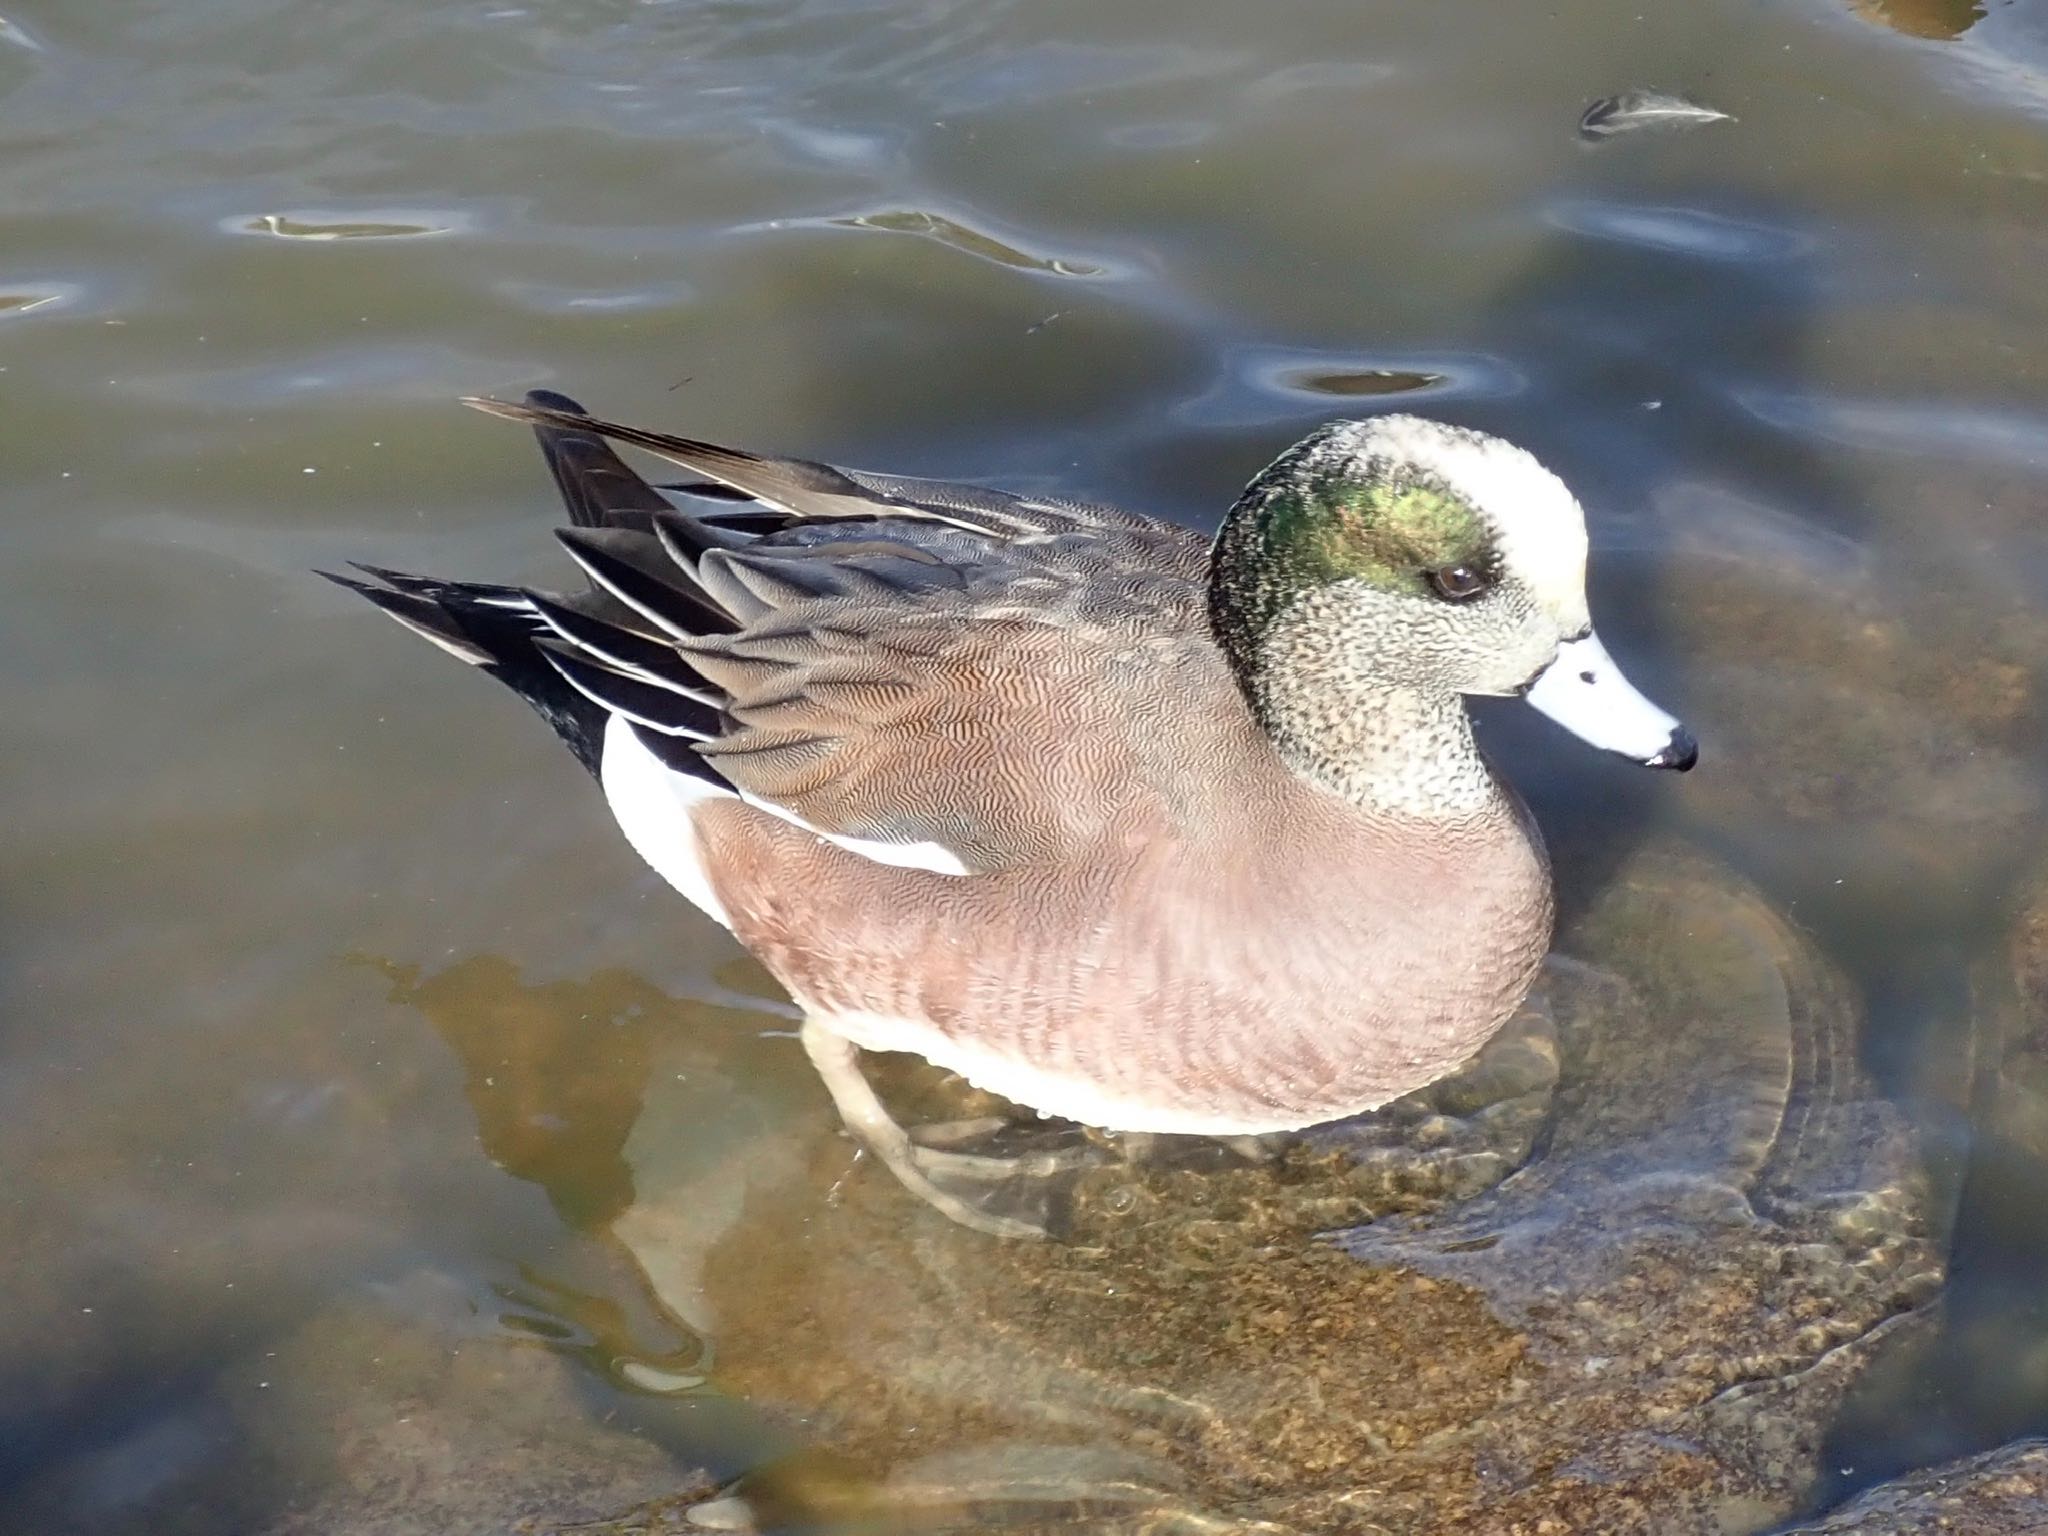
[555, 1073]
[1982, 1378]
[156, 1420]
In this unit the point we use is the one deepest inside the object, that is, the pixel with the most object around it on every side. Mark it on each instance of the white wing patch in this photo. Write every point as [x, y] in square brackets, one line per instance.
[655, 807]
[935, 858]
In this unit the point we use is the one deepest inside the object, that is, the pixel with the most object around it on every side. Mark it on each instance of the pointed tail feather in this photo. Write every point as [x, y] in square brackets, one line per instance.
[598, 487]
[473, 624]
[580, 660]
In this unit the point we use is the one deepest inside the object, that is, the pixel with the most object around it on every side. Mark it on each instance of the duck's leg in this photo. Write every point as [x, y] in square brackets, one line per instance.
[838, 1062]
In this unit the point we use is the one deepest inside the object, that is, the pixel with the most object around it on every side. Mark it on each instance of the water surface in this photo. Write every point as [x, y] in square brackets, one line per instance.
[332, 999]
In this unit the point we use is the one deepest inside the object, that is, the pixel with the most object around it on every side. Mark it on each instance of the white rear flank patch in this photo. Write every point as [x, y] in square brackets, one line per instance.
[654, 806]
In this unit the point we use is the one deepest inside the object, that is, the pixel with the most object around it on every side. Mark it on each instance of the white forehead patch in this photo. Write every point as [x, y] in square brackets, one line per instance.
[1541, 529]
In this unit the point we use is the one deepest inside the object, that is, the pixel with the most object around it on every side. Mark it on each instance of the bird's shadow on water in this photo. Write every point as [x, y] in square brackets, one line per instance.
[1635, 336]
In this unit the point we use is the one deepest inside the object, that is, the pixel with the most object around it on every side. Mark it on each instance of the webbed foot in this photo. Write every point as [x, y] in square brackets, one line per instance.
[922, 1168]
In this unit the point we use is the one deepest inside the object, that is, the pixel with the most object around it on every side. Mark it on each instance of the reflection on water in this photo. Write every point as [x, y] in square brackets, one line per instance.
[1685, 231]
[554, 1073]
[26, 298]
[542, 1216]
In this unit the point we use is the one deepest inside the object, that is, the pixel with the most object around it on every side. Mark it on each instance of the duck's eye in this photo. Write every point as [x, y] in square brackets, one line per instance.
[1458, 583]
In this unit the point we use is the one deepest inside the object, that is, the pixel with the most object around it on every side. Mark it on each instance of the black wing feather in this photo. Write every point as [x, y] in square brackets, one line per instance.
[667, 710]
[622, 648]
[635, 569]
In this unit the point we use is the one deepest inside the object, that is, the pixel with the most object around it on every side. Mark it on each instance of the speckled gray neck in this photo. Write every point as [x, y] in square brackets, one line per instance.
[1401, 750]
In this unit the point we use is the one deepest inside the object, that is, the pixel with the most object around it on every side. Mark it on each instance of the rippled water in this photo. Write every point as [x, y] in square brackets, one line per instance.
[333, 1002]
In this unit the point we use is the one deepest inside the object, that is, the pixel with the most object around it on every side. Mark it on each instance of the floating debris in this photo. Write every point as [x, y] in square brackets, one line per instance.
[1640, 111]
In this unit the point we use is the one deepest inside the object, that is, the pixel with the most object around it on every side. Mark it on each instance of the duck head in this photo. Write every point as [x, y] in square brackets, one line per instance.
[1403, 559]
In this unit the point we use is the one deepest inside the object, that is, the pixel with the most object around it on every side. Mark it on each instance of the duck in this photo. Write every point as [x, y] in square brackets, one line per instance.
[1135, 828]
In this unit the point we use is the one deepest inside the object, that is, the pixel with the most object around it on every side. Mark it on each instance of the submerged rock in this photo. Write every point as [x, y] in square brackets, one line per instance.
[2000, 1493]
[1616, 1276]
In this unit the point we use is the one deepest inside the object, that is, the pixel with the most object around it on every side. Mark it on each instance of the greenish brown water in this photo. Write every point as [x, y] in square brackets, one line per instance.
[332, 999]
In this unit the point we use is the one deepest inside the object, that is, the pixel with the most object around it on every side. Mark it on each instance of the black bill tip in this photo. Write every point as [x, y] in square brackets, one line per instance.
[1680, 752]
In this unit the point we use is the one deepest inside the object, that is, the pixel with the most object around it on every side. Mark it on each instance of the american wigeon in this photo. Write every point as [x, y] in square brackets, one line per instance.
[1133, 828]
